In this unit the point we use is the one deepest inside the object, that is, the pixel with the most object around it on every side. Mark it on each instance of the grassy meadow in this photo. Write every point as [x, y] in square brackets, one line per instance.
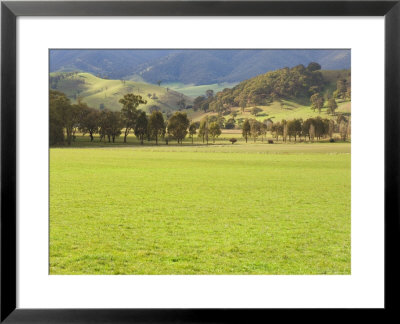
[194, 209]
[274, 111]
[255, 207]
[192, 90]
[97, 91]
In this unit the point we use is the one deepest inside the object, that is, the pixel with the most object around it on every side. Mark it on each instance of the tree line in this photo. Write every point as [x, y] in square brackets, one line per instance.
[66, 119]
[311, 129]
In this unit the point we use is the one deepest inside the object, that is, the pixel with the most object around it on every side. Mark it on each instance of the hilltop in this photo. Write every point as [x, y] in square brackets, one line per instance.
[104, 93]
[277, 95]
[297, 84]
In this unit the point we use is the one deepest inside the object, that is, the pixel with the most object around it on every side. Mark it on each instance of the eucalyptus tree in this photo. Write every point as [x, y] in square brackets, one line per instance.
[141, 126]
[214, 130]
[58, 102]
[89, 122]
[192, 130]
[317, 102]
[332, 105]
[255, 129]
[71, 120]
[156, 125]
[178, 125]
[294, 128]
[130, 102]
[112, 124]
[246, 129]
[203, 129]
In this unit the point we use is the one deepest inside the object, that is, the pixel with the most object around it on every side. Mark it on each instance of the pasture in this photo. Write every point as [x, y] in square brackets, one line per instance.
[274, 111]
[217, 209]
[96, 91]
[193, 90]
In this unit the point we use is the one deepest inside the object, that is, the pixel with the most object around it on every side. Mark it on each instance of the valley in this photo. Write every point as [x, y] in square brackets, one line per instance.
[203, 162]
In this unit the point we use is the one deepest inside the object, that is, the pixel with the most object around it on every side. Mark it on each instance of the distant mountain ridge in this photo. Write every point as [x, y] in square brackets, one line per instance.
[192, 66]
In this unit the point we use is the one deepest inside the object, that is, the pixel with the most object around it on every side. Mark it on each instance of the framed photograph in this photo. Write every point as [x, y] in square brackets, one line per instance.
[198, 161]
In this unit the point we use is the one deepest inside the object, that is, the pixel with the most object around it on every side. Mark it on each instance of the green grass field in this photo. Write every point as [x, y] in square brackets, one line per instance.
[218, 209]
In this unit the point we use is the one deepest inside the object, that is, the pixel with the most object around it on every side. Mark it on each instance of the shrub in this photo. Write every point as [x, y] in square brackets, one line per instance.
[233, 140]
[255, 110]
[230, 124]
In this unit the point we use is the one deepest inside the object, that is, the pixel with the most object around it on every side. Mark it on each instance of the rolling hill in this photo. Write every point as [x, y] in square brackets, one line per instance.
[104, 93]
[275, 112]
[280, 94]
[197, 67]
[297, 84]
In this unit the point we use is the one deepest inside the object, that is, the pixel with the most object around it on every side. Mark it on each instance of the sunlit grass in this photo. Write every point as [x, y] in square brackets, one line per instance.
[276, 112]
[221, 209]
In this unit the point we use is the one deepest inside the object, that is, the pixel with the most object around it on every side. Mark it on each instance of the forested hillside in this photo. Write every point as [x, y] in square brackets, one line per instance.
[296, 84]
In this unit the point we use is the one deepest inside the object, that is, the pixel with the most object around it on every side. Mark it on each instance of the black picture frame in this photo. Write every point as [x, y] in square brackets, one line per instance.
[9, 13]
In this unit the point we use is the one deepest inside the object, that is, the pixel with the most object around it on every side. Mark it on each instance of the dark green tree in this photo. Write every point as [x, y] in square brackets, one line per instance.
[156, 125]
[71, 120]
[192, 130]
[332, 106]
[113, 125]
[294, 128]
[198, 101]
[230, 123]
[255, 111]
[205, 105]
[313, 66]
[89, 122]
[203, 129]
[214, 130]
[210, 93]
[255, 129]
[246, 129]
[58, 104]
[141, 126]
[130, 102]
[341, 89]
[277, 130]
[178, 125]
[263, 130]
